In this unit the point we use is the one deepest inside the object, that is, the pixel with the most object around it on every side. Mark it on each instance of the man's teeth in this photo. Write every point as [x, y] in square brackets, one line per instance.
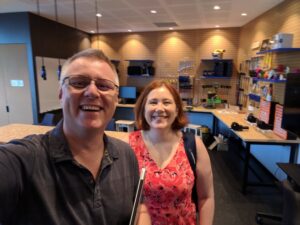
[90, 108]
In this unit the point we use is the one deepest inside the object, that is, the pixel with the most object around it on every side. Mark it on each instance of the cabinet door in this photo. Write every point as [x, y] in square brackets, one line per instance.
[15, 80]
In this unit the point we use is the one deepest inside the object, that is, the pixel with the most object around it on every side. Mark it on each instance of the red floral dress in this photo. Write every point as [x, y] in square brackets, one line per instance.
[167, 191]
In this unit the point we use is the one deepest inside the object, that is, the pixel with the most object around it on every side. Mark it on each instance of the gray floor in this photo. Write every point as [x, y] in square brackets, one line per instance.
[232, 207]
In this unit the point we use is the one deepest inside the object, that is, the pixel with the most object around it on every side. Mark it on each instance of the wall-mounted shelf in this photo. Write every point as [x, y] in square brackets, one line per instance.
[216, 60]
[214, 77]
[217, 68]
[140, 67]
[254, 97]
[116, 63]
[279, 50]
[268, 80]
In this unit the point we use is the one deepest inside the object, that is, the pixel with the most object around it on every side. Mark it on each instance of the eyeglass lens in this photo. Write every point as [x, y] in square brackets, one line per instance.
[81, 82]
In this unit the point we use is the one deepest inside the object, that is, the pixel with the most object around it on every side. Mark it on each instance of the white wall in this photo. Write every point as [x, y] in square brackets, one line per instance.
[14, 85]
[48, 89]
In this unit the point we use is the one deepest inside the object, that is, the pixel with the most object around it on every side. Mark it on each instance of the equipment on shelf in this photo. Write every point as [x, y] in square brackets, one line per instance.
[282, 40]
[217, 67]
[218, 53]
[140, 68]
[213, 96]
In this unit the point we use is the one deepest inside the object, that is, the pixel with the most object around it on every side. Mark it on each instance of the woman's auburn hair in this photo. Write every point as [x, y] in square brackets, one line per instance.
[139, 110]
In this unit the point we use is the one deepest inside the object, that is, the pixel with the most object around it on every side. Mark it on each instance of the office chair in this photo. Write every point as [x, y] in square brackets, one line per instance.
[291, 207]
[48, 119]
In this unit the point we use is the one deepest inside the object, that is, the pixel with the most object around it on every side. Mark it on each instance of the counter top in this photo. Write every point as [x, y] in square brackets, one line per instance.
[253, 134]
[17, 131]
[125, 105]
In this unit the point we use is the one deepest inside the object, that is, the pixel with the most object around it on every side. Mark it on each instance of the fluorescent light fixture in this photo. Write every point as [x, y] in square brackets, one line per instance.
[216, 7]
[217, 26]
[98, 15]
[92, 31]
[243, 14]
[129, 30]
[170, 28]
[153, 11]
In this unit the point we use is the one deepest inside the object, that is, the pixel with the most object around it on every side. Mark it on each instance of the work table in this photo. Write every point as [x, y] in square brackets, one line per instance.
[18, 131]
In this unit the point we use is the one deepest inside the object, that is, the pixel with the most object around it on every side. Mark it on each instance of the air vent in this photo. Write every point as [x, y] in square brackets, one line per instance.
[166, 24]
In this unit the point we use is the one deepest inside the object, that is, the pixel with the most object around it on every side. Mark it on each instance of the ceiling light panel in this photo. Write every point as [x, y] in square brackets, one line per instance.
[184, 9]
[142, 3]
[178, 2]
[187, 13]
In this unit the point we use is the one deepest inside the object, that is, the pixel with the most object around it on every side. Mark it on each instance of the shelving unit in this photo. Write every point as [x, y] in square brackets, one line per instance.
[263, 59]
[186, 81]
[243, 89]
[142, 67]
[116, 63]
[278, 50]
[215, 77]
[216, 68]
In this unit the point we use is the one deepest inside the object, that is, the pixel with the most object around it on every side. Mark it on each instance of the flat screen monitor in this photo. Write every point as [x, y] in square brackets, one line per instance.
[291, 105]
[127, 94]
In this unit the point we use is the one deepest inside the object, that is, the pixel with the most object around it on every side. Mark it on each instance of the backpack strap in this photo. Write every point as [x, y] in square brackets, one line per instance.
[190, 151]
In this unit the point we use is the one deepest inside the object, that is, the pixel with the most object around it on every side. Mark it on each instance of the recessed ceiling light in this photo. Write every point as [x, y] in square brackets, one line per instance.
[92, 31]
[129, 30]
[217, 26]
[98, 15]
[243, 14]
[153, 11]
[170, 28]
[216, 7]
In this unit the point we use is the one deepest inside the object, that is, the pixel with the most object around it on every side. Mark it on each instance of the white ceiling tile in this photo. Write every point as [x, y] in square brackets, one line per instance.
[118, 15]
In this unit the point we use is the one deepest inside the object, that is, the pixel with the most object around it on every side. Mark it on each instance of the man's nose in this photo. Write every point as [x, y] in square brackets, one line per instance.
[92, 89]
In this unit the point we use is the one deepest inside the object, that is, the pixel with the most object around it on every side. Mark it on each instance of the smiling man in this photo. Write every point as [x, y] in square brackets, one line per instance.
[74, 174]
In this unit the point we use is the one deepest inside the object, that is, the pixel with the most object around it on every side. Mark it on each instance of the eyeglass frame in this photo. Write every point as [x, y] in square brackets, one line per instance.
[116, 87]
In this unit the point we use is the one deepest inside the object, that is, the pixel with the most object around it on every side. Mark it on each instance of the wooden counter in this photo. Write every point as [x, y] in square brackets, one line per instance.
[17, 131]
[125, 105]
[253, 134]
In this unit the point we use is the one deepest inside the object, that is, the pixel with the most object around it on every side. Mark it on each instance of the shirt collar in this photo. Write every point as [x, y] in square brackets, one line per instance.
[60, 151]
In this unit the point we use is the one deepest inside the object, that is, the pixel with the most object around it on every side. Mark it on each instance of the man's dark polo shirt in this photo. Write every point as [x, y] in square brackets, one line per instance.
[41, 183]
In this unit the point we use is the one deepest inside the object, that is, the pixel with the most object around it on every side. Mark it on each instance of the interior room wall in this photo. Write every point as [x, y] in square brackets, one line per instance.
[167, 49]
[53, 39]
[42, 37]
[284, 18]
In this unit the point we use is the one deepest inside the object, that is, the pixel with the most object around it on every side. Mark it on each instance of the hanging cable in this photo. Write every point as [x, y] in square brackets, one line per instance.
[97, 23]
[56, 19]
[43, 72]
[75, 15]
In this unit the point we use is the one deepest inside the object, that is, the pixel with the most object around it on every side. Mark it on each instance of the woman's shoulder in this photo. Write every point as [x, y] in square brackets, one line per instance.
[135, 135]
[135, 139]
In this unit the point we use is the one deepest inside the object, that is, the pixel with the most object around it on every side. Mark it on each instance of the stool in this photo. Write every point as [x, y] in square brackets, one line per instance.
[125, 125]
[193, 128]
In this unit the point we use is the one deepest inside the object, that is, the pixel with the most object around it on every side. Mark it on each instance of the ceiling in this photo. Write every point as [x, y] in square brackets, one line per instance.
[122, 15]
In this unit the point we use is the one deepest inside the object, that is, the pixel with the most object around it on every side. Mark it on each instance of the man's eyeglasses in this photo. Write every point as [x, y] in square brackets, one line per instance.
[81, 82]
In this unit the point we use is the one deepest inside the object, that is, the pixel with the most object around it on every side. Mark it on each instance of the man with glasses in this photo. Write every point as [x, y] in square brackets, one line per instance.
[74, 174]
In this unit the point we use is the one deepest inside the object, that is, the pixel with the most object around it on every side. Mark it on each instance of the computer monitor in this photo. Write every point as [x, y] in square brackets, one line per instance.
[127, 94]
